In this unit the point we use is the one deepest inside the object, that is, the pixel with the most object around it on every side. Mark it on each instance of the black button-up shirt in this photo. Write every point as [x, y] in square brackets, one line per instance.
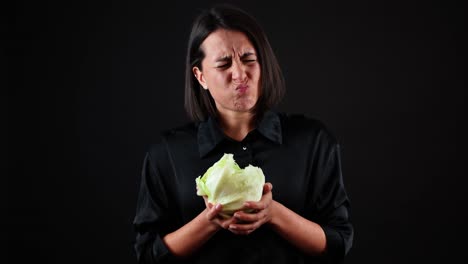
[298, 155]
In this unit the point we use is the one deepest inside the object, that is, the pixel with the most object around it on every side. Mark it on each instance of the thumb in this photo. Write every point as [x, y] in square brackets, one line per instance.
[214, 211]
[267, 187]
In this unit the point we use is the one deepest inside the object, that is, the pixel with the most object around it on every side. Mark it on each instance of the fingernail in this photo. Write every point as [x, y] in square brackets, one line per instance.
[232, 227]
[218, 206]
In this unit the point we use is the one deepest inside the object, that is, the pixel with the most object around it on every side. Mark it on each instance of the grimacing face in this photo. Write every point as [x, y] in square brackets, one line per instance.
[231, 71]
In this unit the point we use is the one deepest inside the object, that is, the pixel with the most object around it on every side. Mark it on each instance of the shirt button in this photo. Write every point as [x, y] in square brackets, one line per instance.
[244, 148]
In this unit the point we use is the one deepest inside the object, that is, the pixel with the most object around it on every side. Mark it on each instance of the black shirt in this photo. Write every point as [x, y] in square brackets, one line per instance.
[298, 155]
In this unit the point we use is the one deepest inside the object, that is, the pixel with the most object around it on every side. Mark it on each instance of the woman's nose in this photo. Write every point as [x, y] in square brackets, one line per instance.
[238, 72]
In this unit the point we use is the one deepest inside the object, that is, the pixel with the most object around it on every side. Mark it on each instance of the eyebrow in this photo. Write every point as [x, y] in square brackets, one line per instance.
[225, 58]
[228, 58]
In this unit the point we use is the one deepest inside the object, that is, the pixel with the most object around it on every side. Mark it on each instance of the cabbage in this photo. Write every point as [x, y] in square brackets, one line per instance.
[229, 185]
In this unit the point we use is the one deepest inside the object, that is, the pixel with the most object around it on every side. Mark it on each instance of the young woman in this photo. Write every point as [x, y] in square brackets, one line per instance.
[233, 81]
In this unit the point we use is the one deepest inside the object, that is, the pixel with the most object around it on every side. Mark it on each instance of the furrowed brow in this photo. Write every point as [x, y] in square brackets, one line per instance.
[223, 59]
[247, 54]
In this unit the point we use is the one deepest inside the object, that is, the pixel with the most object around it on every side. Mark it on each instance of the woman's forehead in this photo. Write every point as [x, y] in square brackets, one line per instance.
[226, 43]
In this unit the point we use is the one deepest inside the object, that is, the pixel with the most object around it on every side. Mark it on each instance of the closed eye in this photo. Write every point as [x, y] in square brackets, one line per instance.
[223, 66]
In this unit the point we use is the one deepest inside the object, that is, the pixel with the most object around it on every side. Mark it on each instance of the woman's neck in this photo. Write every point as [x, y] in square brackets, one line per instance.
[237, 125]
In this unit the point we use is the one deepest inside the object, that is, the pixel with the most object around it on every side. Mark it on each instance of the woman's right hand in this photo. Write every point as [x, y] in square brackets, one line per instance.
[212, 215]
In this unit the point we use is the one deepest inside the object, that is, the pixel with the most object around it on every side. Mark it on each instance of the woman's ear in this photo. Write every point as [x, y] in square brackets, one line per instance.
[199, 75]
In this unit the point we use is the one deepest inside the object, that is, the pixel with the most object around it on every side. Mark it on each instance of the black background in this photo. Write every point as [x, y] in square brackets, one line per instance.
[91, 84]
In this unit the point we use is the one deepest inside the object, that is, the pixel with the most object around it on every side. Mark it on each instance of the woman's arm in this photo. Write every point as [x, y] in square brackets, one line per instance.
[304, 234]
[190, 237]
[155, 220]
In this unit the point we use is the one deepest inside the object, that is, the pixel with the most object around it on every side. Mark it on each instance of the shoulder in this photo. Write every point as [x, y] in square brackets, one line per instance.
[306, 128]
[177, 133]
[296, 120]
[181, 135]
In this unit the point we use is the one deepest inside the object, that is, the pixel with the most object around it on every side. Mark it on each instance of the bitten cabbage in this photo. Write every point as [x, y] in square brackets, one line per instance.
[227, 184]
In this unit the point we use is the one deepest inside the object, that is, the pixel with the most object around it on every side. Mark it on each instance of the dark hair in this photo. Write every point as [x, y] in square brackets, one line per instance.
[198, 102]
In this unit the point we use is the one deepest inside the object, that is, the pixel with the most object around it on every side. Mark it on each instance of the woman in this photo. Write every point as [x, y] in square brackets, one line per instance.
[232, 82]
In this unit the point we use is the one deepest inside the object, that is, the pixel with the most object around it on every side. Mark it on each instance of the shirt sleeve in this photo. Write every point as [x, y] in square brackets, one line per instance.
[330, 204]
[152, 219]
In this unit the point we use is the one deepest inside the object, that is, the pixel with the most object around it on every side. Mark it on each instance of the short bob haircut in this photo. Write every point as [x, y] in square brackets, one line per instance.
[198, 102]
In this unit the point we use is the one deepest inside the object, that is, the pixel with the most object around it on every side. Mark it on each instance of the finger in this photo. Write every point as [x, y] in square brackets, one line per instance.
[264, 201]
[267, 187]
[248, 217]
[244, 227]
[255, 205]
[227, 222]
[213, 211]
[244, 233]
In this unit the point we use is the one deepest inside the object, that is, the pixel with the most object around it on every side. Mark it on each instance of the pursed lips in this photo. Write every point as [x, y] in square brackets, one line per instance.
[242, 88]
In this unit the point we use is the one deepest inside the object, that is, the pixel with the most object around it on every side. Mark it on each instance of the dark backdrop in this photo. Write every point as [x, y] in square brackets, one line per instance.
[93, 83]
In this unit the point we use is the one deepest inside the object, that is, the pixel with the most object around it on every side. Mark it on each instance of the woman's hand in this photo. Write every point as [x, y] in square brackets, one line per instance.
[248, 222]
[212, 215]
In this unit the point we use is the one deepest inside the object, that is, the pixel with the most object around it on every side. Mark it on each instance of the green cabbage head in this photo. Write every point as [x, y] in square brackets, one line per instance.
[229, 185]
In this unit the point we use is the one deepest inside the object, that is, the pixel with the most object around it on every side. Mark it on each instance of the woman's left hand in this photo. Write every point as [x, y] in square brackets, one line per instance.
[249, 222]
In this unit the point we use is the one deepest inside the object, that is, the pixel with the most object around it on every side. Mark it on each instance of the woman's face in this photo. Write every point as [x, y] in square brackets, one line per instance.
[231, 71]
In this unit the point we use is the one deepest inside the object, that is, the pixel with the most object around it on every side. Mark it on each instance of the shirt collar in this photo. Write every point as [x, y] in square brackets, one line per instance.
[210, 134]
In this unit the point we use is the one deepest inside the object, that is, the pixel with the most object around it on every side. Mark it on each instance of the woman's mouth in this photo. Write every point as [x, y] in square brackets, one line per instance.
[242, 88]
